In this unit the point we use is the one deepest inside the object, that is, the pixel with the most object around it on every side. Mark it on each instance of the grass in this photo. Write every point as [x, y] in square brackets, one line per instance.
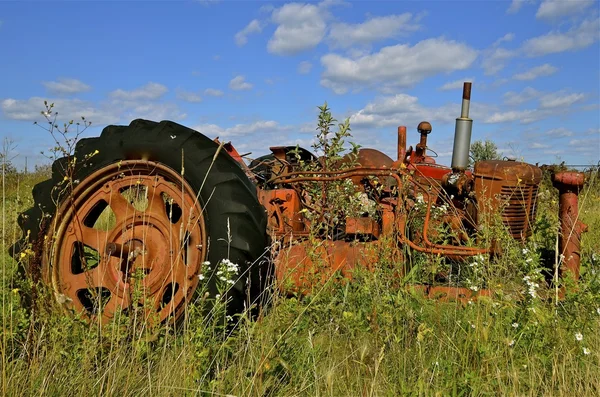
[365, 338]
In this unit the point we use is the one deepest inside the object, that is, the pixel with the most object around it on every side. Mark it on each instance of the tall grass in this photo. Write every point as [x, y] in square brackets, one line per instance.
[370, 337]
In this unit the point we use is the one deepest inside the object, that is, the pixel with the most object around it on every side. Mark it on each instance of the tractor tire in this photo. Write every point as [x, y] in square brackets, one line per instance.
[156, 198]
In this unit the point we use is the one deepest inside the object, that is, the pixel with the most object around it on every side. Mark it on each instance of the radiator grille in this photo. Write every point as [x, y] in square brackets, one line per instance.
[519, 208]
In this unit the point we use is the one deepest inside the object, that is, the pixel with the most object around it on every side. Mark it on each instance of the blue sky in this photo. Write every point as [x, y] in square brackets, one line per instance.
[254, 72]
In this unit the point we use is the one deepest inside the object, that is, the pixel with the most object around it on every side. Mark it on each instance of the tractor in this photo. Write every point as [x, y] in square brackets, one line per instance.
[165, 202]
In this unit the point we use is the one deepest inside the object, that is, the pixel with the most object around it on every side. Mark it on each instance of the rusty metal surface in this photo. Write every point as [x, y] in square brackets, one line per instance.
[401, 144]
[569, 184]
[510, 187]
[284, 211]
[362, 226]
[308, 265]
[167, 250]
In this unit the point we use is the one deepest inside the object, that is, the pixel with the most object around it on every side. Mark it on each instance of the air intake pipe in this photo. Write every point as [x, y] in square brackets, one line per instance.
[462, 133]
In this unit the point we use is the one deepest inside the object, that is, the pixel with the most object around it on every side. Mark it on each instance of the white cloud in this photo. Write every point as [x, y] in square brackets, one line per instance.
[66, 86]
[241, 37]
[456, 84]
[238, 83]
[147, 92]
[576, 38]
[538, 71]
[106, 112]
[396, 66]
[554, 9]
[153, 111]
[213, 92]
[524, 116]
[404, 109]
[300, 28]
[237, 130]
[188, 96]
[207, 3]
[517, 98]
[547, 100]
[559, 132]
[304, 67]
[68, 109]
[345, 35]
[505, 39]
[495, 59]
[537, 145]
[516, 5]
[560, 99]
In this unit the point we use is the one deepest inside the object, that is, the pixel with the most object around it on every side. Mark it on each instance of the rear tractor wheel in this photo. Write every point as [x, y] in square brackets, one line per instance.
[138, 230]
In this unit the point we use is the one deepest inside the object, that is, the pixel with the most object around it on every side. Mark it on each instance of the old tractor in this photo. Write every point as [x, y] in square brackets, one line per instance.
[166, 202]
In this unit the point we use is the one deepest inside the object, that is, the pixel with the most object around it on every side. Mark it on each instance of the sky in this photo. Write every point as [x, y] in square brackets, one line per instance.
[253, 73]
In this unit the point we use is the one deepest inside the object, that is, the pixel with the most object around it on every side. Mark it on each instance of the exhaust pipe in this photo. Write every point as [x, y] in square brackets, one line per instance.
[462, 133]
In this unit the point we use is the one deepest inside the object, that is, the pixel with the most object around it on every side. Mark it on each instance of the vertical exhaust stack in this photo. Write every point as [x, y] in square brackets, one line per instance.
[462, 133]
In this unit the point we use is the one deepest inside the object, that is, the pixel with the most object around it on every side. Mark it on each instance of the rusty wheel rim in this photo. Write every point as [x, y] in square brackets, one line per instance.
[131, 234]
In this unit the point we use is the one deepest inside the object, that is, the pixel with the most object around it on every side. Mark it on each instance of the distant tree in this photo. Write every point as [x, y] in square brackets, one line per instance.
[481, 150]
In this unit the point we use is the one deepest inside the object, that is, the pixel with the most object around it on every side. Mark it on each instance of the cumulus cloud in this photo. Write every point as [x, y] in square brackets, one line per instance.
[516, 5]
[237, 130]
[213, 92]
[549, 104]
[538, 71]
[495, 59]
[149, 91]
[517, 98]
[559, 132]
[152, 111]
[505, 39]
[560, 99]
[300, 28]
[66, 86]
[576, 38]
[304, 67]
[188, 96]
[239, 83]
[404, 109]
[554, 9]
[456, 84]
[68, 109]
[547, 100]
[111, 111]
[241, 37]
[396, 66]
[345, 35]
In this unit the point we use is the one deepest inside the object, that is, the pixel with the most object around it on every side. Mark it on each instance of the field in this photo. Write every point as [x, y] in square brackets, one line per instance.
[371, 337]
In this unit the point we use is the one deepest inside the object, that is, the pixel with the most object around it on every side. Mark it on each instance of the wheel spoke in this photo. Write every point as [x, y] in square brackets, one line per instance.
[94, 238]
[116, 302]
[120, 206]
[156, 204]
[89, 279]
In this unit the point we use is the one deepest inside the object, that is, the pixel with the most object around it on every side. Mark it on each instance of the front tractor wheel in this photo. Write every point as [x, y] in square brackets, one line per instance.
[135, 230]
[133, 220]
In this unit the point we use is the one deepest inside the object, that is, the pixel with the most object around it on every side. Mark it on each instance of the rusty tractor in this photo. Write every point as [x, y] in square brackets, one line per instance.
[165, 202]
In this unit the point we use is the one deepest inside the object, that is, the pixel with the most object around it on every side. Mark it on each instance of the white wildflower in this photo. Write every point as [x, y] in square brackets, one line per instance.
[511, 343]
[578, 336]
[586, 351]
[515, 325]
[201, 276]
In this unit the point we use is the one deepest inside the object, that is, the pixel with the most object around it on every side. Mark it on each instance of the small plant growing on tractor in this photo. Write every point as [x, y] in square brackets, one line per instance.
[161, 201]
